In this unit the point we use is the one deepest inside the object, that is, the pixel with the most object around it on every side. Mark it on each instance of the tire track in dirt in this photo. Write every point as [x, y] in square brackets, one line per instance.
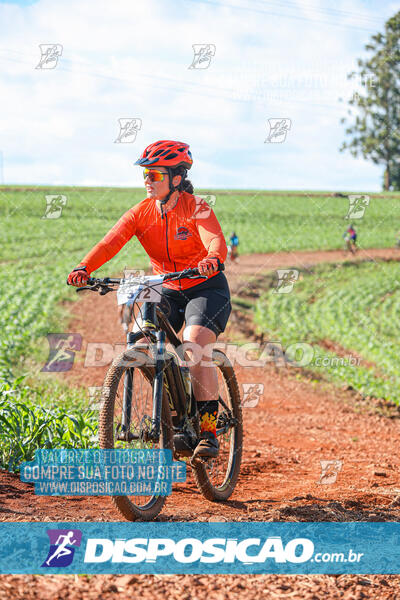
[293, 427]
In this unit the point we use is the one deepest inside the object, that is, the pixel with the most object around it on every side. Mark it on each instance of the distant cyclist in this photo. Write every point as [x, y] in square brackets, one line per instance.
[233, 244]
[176, 236]
[350, 238]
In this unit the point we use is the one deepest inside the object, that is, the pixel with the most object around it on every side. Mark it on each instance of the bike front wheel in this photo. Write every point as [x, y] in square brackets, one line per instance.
[131, 376]
[217, 478]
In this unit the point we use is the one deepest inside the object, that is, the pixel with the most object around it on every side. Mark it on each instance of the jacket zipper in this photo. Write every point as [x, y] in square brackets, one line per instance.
[166, 238]
[166, 234]
[179, 280]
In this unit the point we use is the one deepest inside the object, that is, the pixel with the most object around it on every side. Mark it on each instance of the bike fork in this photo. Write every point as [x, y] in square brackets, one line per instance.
[154, 433]
[126, 404]
[158, 387]
[125, 433]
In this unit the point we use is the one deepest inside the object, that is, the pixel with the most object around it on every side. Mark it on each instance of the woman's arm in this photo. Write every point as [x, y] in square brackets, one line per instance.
[211, 235]
[112, 242]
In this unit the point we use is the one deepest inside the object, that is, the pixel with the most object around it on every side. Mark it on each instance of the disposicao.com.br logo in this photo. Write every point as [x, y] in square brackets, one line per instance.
[213, 550]
[62, 546]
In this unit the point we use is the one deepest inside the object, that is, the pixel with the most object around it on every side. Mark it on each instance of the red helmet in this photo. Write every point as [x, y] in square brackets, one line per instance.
[166, 153]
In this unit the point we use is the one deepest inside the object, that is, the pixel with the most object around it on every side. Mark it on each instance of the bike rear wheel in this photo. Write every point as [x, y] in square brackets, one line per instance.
[132, 369]
[217, 478]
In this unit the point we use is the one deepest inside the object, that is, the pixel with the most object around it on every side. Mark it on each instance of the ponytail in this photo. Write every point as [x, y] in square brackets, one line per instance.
[185, 184]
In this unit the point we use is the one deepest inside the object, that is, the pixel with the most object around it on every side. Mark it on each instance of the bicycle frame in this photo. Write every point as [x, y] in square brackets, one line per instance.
[157, 328]
[182, 404]
[153, 318]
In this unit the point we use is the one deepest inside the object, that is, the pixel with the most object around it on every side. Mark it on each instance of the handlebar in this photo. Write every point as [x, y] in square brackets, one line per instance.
[102, 285]
[189, 273]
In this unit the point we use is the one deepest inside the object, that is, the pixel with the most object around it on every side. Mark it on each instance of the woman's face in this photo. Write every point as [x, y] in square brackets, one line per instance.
[157, 190]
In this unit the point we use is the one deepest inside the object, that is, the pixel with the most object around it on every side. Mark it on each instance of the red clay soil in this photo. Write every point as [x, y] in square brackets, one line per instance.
[294, 426]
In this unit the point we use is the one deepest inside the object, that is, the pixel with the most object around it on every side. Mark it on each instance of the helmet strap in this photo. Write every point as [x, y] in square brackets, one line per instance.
[172, 189]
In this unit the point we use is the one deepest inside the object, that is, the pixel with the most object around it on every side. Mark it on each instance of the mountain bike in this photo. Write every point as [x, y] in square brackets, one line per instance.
[233, 253]
[145, 401]
[350, 245]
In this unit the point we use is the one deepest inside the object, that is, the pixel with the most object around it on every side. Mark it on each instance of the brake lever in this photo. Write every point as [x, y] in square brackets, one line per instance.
[93, 288]
[105, 290]
[98, 287]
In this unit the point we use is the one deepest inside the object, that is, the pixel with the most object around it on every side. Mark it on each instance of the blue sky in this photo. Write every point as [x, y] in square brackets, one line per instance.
[273, 59]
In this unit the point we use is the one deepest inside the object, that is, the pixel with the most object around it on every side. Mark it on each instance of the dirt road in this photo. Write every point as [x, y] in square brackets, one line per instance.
[295, 425]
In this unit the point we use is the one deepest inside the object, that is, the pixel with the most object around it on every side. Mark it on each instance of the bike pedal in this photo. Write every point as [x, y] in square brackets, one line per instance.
[184, 444]
[183, 453]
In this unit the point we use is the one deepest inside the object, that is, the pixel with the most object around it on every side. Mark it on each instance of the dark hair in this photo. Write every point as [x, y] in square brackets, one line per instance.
[185, 184]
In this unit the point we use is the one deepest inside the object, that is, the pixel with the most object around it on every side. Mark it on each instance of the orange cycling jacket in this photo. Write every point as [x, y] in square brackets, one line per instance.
[185, 235]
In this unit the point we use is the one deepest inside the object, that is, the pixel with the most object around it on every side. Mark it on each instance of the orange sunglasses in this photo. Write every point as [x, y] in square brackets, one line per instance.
[154, 175]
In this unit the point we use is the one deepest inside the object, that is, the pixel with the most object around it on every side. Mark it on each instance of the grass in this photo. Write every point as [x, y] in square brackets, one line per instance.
[28, 423]
[343, 311]
[38, 253]
[264, 221]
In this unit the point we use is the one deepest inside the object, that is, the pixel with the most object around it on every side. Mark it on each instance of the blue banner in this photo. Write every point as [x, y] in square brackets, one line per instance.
[100, 472]
[221, 548]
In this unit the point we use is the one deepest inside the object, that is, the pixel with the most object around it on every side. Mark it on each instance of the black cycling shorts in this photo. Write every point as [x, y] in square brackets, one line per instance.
[207, 304]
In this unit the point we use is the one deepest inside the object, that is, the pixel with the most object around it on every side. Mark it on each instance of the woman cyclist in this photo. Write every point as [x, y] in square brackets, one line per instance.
[233, 244]
[166, 225]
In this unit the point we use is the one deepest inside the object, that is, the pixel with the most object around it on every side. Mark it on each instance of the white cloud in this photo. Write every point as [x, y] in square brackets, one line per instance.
[130, 59]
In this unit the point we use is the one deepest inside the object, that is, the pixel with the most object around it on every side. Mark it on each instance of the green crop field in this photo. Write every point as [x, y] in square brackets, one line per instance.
[350, 310]
[38, 253]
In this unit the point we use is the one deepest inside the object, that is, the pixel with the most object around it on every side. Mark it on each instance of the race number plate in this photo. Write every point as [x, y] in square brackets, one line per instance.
[143, 289]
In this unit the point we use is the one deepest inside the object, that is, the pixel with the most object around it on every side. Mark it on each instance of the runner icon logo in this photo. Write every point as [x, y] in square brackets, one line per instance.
[252, 392]
[286, 280]
[128, 129]
[96, 402]
[357, 206]
[62, 351]
[329, 471]
[50, 54]
[139, 273]
[278, 129]
[203, 54]
[62, 542]
[54, 206]
[203, 207]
